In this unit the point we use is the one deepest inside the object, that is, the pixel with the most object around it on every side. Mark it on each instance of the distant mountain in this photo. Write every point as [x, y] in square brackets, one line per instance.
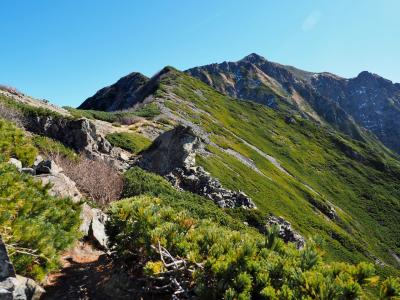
[370, 100]
[122, 94]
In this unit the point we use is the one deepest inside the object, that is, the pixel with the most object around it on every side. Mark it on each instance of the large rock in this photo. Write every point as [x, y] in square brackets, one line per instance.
[173, 155]
[47, 167]
[93, 225]
[171, 150]
[16, 163]
[12, 286]
[61, 185]
[6, 268]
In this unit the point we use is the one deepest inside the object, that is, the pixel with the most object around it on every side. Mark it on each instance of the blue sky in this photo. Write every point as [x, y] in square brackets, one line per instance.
[65, 51]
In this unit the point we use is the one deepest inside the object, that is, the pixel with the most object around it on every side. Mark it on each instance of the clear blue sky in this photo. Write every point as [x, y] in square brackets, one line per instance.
[65, 51]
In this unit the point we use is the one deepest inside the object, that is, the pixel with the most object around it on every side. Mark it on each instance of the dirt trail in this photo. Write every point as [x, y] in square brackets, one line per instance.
[84, 269]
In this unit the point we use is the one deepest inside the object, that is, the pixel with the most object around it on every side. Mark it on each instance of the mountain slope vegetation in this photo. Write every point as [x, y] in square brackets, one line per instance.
[292, 167]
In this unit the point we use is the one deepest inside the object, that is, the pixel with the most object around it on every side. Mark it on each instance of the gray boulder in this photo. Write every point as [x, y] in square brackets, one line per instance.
[12, 286]
[173, 149]
[61, 186]
[79, 134]
[93, 225]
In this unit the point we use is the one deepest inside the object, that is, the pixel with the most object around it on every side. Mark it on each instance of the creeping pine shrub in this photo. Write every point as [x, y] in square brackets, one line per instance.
[35, 226]
[13, 143]
[226, 263]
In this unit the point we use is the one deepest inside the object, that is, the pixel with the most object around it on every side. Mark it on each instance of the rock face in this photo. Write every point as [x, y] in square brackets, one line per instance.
[78, 134]
[368, 99]
[173, 155]
[173, 149]
[286, 232]
[12, 286]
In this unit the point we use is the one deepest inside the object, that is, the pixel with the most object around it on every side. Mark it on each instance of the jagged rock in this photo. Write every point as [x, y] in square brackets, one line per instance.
[78, 134]
[12, 286]
[93, 225]
[173, 155]
[286, 231]
[16, 163]
[47, 167]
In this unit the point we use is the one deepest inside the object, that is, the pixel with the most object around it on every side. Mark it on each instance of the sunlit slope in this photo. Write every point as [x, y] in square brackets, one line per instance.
[297, 169]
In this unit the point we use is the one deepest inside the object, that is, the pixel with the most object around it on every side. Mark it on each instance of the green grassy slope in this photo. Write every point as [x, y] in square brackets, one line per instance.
[360, 179]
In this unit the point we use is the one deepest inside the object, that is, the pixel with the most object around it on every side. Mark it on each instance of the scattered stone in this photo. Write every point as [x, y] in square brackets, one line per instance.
[286, 232]
[16, 163]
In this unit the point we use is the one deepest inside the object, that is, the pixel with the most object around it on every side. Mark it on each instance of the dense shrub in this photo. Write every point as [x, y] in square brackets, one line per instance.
[35, 226]
[223, 263]
[129, 141]
[13, 143]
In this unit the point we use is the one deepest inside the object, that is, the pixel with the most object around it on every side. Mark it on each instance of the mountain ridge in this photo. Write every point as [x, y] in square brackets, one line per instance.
[364, 99]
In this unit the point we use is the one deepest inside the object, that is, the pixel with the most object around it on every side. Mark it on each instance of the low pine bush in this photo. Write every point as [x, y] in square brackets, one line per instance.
[35, 226]
[202, 259]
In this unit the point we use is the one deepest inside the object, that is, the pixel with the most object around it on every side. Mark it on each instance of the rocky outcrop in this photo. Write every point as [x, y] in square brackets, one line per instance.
[173, 155]
[286, 231]
[93, 225]
[12, 286]
[79, 134]
[174, 149]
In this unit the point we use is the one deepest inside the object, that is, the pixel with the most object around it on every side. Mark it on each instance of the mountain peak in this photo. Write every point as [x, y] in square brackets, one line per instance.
[253, 58]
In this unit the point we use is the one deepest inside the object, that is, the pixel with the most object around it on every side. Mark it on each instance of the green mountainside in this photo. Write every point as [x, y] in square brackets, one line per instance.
[337, 188]
[294, 167]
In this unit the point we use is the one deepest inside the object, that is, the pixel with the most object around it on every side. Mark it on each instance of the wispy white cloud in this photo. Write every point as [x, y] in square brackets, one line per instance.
[311, 20]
